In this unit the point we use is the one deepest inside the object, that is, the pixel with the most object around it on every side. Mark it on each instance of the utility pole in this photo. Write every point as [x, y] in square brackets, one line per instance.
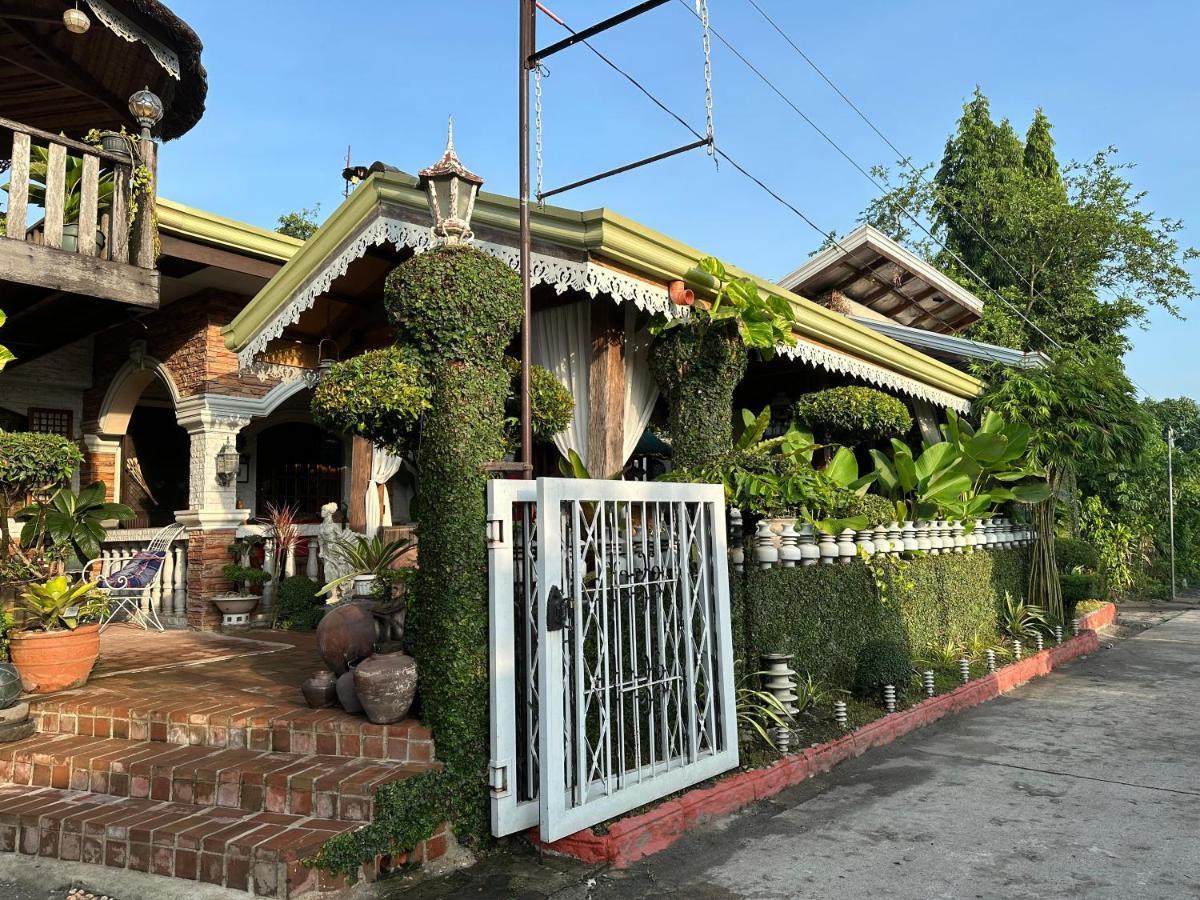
[1171, 499]
[528, 13]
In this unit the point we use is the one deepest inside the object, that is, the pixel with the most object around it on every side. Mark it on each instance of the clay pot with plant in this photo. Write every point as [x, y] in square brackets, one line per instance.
[59, 643]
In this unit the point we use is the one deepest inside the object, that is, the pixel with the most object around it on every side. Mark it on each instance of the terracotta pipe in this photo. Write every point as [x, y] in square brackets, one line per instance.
[681, 294]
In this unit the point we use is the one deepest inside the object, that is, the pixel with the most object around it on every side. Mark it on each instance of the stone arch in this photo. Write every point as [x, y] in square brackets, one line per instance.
[126, 388]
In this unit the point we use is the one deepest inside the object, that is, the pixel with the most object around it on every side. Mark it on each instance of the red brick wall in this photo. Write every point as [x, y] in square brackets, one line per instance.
[99, 467]
[207, 554]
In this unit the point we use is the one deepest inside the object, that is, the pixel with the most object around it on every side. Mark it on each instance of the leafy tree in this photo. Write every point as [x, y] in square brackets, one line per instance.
[1180, 413]
[6, 355]
[301, 223]
[1071, 247]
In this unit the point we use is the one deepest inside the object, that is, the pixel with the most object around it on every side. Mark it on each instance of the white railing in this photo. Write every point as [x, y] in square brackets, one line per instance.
[168, 594]
[313, 564]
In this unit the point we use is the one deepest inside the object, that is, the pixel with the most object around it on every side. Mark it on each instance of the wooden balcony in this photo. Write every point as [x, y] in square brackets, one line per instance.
[87, 259]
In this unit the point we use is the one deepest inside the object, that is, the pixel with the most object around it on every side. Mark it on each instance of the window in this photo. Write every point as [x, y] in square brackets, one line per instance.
[50, 421]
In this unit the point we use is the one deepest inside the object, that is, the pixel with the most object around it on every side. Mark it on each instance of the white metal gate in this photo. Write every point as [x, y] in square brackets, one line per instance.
[612, 668]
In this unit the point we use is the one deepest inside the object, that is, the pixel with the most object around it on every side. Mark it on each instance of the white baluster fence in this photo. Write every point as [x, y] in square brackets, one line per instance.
[169, 592]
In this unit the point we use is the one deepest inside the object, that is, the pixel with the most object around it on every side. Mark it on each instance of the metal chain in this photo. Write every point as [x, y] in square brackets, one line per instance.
[702, 12]
[537, 128]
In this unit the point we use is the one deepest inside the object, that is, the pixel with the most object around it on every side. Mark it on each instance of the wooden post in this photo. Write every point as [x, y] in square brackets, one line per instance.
[56, 180]
[119, 237]
[606, 390]
[18, 187]
[146, 226]
[89, 189]
[361, 452]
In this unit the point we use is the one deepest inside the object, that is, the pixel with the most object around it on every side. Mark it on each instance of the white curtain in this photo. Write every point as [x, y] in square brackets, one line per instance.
[562, 343]
[641, 390]
[384, 465]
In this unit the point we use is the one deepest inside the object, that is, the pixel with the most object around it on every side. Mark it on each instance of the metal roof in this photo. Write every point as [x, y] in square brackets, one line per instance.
[950, 346]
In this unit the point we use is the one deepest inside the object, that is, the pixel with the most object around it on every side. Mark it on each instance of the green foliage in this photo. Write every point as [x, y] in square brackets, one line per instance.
[301, 223]
[1115, 548]
[1182, 414]
[454, 304]
[297, 605]
[72, 523]
[927, 484]
[380, 395]
[6, 625]
[551, 404]
[853, 415]
[941, 598]
[60, 604]
[405, 813]
[879, 663]
[872, 508]
[362, 555]
[6, 355]
[31, 463]
[1021, 620]
[698, 360]
[1075, 554]
[39, 160]
[759, 712]
[245, 577]
[1076, 588]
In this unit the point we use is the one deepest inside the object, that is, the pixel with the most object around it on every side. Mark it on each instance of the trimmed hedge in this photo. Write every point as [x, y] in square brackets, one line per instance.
[826, 614]
[852, 415]
[379, 395]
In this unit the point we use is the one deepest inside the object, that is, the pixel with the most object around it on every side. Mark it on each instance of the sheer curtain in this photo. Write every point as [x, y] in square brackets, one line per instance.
[641, 390]
[562, 343]
[384, 466]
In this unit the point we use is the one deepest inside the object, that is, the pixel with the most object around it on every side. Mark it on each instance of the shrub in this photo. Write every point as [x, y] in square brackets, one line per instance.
[853, 415]
[878, 510]
[1077, 588]
[379, 395]
[879, 663]
[1073, 553]
[551, 404]
[297, 606]
[31, 462]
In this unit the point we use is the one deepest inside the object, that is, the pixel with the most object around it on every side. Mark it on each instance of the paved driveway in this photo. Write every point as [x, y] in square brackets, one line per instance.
[1085, 783]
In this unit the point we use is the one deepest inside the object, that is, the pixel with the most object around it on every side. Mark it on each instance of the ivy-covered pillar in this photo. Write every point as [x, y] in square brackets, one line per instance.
[459, 308]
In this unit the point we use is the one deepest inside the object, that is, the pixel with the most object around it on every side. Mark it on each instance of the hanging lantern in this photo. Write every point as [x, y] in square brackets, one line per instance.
[451, 190]
[76, 20]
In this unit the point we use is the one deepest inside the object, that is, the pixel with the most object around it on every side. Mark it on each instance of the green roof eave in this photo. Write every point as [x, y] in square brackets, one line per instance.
[602, 234]
[205, 227]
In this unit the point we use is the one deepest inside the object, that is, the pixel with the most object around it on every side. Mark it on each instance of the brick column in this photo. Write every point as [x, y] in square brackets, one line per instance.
[212, 516]
[100, 454]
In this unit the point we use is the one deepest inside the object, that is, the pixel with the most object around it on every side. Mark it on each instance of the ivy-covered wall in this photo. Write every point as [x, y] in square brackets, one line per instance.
[824, 614]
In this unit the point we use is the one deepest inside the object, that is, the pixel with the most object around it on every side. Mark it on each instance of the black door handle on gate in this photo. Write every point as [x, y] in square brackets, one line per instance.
[557, 607]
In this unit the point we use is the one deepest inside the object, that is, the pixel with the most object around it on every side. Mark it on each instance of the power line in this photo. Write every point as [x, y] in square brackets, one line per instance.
[866, 174]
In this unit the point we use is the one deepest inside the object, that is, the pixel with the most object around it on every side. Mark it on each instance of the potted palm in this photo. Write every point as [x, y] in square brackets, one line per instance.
[39, 161]
[60, 642]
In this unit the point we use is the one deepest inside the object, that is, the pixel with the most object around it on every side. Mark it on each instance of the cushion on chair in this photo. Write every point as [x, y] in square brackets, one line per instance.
[138, 572]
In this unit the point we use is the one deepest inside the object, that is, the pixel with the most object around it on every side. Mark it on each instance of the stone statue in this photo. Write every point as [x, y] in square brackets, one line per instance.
[329, 537]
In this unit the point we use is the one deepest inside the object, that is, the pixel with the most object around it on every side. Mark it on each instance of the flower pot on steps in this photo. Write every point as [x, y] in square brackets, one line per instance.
[55, 660]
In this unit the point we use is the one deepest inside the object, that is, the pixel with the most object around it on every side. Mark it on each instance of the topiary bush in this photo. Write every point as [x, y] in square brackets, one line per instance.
[297, 606]
[551, 404]
[1076, 588]
[853, 415]
[879, 663]
[31, 462]
[460, 307]
[380, 395]
[1072, 553]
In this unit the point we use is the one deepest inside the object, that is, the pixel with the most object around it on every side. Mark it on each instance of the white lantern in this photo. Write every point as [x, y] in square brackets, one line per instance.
[451, 190]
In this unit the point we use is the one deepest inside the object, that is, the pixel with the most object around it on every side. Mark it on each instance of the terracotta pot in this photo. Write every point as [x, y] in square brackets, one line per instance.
[346, 632]
[55, 660]
[386, 685]
[320, 689]
[346, 693]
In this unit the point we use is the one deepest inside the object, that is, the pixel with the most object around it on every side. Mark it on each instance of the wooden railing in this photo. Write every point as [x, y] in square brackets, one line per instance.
[104, 230]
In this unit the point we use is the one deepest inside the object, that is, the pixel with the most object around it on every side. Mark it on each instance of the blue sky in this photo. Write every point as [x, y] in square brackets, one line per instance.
[291, 84]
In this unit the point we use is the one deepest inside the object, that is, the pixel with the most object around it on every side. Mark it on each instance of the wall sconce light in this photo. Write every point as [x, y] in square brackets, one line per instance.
[228, 462]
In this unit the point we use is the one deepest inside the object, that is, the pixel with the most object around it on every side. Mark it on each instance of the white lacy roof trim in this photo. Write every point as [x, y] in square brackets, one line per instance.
[562, 274]
[843, 363]
[127, 30]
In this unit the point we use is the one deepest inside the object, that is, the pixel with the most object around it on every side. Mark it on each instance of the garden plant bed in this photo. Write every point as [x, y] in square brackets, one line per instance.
[636, 836]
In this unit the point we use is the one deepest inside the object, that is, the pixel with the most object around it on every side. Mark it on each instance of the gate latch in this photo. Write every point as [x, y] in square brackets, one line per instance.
[557, 608]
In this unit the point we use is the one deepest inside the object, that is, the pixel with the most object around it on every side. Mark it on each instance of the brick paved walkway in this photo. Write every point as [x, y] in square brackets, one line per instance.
[194, 755]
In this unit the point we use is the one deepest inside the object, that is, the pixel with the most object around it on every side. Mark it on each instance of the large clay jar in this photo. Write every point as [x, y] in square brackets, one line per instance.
[346, 632]
[386, 685]
[346, 693]
[10, 685]
[54, 660]
[320, 689]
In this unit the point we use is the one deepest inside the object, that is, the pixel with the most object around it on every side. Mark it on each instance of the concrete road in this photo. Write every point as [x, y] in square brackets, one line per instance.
[1085, 783]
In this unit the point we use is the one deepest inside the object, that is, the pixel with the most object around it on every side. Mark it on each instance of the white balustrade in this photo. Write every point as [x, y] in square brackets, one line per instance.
[168, 593]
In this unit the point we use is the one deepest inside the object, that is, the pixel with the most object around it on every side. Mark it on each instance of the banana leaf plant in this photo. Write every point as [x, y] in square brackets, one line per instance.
[72, 523]
[60, 605]
[921, 487]
[995, 458]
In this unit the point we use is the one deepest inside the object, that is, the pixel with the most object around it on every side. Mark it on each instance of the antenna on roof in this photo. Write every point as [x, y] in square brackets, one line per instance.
[352, 175]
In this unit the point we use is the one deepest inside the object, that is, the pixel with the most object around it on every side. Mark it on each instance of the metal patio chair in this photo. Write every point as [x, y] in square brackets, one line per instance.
[129, 579]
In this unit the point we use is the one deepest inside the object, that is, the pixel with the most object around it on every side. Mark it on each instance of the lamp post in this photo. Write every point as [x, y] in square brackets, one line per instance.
[1171, 500]
[147, 110]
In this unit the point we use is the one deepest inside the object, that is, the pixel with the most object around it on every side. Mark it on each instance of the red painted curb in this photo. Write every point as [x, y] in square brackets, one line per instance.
[633, 838]
[1105, 615]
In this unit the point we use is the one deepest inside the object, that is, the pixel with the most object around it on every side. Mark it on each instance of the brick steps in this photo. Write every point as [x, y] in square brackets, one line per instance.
[258, 852]
[324, 732]
[330, 787]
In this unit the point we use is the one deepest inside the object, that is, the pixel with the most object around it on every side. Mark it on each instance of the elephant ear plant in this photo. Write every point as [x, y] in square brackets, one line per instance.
[72, 522]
